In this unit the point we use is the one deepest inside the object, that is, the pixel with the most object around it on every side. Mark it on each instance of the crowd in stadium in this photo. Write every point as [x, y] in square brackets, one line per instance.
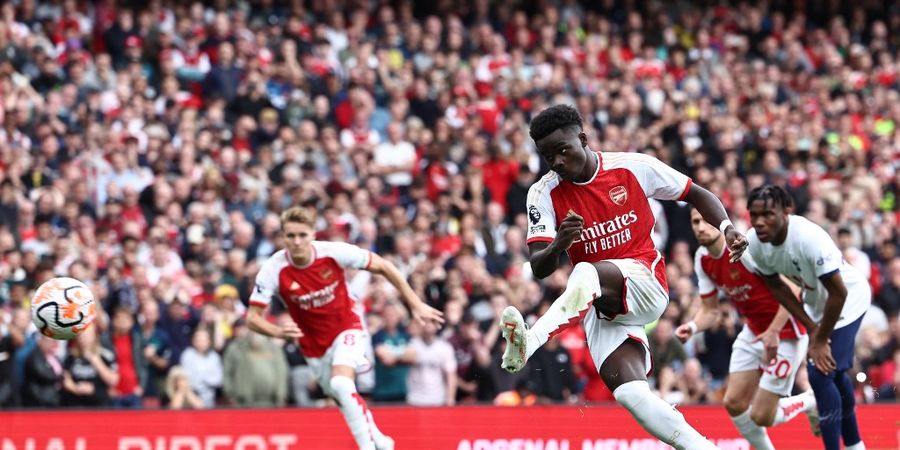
[148, 149]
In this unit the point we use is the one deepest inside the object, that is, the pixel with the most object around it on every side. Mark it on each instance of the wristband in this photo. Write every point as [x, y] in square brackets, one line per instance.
[725, 223]
[693, 326]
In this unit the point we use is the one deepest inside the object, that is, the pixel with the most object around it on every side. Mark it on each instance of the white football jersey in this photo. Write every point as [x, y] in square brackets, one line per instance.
[808, 253]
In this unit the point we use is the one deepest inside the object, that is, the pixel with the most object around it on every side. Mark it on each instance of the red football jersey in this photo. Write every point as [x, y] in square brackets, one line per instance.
[316, 295]
[618, 220]
[746, 290]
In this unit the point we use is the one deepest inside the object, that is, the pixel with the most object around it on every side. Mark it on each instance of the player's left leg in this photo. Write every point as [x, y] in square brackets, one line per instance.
[743, 382]
[624, 372]
[739, 393]
[567, 310]
[842, 348]
[773, 405]
[633, 297]
[347, 355]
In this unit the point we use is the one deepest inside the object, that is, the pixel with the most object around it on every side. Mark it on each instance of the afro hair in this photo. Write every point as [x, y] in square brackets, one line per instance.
[554, 118]
[778, 195]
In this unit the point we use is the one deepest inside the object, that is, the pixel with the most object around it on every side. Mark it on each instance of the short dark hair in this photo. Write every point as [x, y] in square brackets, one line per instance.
[777, 194]
[554, 118]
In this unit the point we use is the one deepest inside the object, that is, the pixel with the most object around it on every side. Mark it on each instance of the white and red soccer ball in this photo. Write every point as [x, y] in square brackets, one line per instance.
[62, 308]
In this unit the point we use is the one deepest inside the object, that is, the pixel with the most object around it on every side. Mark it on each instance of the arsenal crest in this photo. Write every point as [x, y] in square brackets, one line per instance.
[618, 195]
[327, 273]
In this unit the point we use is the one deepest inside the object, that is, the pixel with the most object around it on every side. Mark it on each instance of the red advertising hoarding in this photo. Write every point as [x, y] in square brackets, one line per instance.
[458, 428]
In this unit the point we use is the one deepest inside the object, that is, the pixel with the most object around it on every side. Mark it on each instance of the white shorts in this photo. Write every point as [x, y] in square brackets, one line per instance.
[644, 301]
[778, 376]
[347, 349]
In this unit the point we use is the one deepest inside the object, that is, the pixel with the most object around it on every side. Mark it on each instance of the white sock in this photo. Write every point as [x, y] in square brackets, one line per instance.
[790, 407]
[857, 446]
[355, 411]
[659, 418]
[377, 435]
[755, 434]
[564, 311]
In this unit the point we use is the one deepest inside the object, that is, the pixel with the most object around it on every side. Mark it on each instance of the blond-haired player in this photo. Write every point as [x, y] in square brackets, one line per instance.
[309, 276]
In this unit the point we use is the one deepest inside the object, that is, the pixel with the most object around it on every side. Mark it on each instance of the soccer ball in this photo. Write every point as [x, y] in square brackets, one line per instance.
[62, 308]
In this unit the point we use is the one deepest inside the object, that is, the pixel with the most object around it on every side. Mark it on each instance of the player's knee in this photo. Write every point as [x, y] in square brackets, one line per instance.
[341, 385]
[632, 394]
[735, 404]
[762, 417]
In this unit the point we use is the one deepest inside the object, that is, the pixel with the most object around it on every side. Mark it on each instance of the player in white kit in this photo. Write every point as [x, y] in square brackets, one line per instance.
[768, 351]
[309, 276]
[594, 207]
[835, 298]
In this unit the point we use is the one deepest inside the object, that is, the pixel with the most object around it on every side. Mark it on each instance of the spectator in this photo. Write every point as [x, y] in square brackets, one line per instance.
[203, 367]
[393, 355]
[223, 79]
[156, 351]
[432, 375]
[91, 372]
[256, 372]
[394, 159]
[888, 297]
[665, 350]
[127, 343]
[472, 349]
[43, 376]
[552, 374]
[178, 323]
[179, 393]
[8, 397]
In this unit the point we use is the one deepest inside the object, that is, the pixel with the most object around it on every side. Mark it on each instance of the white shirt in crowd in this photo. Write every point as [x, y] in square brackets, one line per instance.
[427, 379]
[401, 153]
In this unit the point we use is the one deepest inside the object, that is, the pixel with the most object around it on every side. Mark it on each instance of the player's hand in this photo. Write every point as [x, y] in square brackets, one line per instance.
[569, 230]
[819, 354]
[737, 243]
[770, 341]
[289, 330]
[424, 313]
[684, 332]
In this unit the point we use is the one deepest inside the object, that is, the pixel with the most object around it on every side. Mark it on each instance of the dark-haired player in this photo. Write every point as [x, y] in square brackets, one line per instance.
[594, 207]
[768, 351]
[835, 297]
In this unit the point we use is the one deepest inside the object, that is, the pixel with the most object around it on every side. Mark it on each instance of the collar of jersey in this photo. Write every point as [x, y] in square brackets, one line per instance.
[290, 260]
[596, 171]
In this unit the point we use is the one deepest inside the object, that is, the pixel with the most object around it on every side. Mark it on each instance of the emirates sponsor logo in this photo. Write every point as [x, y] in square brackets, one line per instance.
[600, 229]
[618, 195]
[316, 299]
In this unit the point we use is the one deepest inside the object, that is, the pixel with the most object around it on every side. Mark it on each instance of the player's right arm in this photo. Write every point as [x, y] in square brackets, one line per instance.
[703, 319]
[782, 292]
[546, 241]
[257, 322]
[545, 255]
[709, 308]
[266, 285]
